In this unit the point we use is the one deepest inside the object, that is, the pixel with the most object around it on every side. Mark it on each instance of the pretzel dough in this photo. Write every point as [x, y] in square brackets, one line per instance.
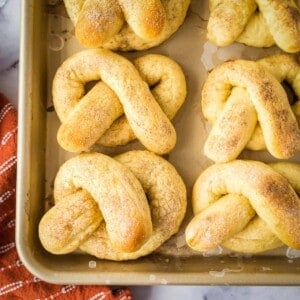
[259, 23]
[238, 94]
[124, 88]
[101, 205]
[246, 206]
[125, 25]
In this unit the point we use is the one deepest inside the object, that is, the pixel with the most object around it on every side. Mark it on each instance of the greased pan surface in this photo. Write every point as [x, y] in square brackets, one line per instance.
[46, 40]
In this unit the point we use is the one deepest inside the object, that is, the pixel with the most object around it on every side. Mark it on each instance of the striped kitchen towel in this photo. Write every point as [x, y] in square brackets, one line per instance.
[15, 281]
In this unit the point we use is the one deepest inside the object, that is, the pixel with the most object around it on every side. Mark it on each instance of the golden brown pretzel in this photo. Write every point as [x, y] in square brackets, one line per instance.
[246, 206]
[125, 25]
[101, 205]
[238, 94]
[259, 23]
[122, 89]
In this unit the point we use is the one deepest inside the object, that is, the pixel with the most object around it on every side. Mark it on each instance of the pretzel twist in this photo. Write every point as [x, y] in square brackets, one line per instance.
[101, 205]
[246, 206]
[124, 88]
[239, 94]
[258, 23]
[123, 24]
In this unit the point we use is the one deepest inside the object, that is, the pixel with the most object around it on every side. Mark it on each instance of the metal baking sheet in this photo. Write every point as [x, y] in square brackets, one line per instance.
[46, 40]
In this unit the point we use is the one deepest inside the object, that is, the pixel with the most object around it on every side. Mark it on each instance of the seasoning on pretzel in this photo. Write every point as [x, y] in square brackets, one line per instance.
[117, 208]
[258, 23]
[247, 107]
[123, 88]
[246, 206]
[125, 25]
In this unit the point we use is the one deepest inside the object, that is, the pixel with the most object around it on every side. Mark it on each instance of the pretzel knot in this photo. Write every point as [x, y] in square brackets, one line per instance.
[124, 89]
[248, 107]
[101, 205]
[125, 25]
[246, 206]
[258, 23]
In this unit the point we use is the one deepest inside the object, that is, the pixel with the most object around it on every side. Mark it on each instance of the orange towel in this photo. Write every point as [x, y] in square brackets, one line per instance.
[15, 281]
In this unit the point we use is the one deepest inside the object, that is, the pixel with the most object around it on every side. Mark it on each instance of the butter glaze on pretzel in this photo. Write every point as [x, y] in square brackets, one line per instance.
[246, 206]
[259, 23]
[239, 94]
[123, 87]
[101, 205]
[125, 25]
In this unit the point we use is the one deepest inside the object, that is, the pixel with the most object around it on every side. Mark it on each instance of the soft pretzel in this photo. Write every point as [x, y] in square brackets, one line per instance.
[124, 88]
[238, 94]
[125, 25]
[101, 205]
[258, 23]
[246, 206]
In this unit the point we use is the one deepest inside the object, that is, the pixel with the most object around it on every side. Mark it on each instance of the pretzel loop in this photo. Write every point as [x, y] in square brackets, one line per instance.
[85, 118]
[101, 205]
[246, 206]
[167, 84]
[123, 24]
[239, 94]
[104, 19]
[259, 23]
[285, 68]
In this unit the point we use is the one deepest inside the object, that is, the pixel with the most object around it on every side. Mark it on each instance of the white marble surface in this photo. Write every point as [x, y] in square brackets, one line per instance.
[9, 48]
[215, 293]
